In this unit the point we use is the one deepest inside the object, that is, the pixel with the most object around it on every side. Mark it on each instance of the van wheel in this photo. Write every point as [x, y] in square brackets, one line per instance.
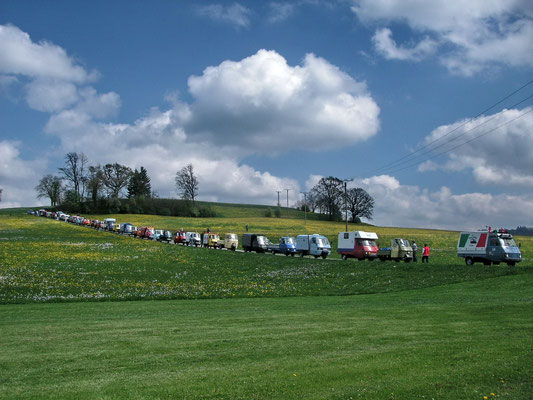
[344, 257]
[324, 256]
[292, 254]
[316, 256]
[273, 252]
[301, 254]
[469, 261]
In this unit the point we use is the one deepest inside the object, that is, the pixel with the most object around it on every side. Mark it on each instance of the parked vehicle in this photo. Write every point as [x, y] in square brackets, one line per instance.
[109, 223]
[192, 239]
[133, 231]
[399, 250]
[116, 228]
[210, 240]
[315, 245]
[157, 233]
[488, 247]
[255, 242]
[357, 244]
[126, 228]
[230, 242]
[286, 245]
[148, 232]
[164, 236]
[180, 237]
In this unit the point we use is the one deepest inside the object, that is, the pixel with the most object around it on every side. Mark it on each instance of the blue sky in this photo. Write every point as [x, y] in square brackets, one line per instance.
[262, 96]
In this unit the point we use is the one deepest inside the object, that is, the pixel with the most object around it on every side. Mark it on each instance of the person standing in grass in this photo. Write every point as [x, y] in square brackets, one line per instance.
[415, 251]
[425, 254]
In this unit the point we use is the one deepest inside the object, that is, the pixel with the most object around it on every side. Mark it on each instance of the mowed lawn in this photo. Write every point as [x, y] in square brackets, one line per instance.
[254, 326]
[458, 341]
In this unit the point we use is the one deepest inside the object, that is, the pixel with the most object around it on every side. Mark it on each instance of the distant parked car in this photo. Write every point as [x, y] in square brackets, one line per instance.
[164, 236]
[180, 237]
[192, 239]
[230, 242]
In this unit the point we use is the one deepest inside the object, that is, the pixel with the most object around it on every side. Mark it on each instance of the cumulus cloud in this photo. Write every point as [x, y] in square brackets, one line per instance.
[18, 177]
[496, 148]
[471, 35]
[263, 103]
[235, 14]
[411, 206]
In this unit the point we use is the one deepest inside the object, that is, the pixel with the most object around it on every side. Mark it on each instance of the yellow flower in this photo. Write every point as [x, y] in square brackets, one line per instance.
[485, 398]
[492, 394]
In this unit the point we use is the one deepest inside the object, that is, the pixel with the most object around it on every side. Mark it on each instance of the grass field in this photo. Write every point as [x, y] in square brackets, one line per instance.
[267, 327]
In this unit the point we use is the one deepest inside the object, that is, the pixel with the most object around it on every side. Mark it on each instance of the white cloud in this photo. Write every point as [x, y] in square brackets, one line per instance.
[502, 156]
[235, 14]
[387, 47]
[263, 103]
[411, 206]
[37, 60]
[472, 35]
[18, 177]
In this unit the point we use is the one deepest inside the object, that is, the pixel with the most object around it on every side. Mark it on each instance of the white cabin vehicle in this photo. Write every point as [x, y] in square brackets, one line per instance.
[315, 245]
[108, 222]
[488, 247]
[192, 238]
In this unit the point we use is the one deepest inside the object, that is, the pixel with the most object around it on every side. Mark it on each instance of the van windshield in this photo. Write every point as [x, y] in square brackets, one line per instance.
[290, 240]
[323, 242]
[370, 243]
[404, 242]
[508, 242]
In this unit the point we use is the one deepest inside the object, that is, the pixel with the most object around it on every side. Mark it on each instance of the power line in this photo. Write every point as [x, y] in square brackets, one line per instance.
[468, 141]
[413, 157]
[398, 161]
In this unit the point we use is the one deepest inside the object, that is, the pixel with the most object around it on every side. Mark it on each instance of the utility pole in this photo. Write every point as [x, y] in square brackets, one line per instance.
[287, 202]
[305, 207]
[279, 191]
[345, 197]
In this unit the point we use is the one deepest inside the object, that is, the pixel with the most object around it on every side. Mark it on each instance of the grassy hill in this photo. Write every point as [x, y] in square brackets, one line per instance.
[267, 327]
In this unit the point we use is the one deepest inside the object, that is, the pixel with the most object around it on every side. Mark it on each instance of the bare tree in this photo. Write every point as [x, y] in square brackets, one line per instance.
[116, 178]
[187, 183]
[329, 193]
[75, 172]
[50, 186]
[359, 203]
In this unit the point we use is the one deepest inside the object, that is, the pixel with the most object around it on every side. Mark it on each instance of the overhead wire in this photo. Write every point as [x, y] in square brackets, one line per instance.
[468, 141]
[411, 156]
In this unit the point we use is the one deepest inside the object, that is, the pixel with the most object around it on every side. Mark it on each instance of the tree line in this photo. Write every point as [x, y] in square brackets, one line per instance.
[116, 188]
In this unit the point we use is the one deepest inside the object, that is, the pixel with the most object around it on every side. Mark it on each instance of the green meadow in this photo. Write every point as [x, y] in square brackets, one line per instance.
[230, 325]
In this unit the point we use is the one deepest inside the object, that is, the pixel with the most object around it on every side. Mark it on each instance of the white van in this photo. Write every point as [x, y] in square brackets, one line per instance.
[315, 245]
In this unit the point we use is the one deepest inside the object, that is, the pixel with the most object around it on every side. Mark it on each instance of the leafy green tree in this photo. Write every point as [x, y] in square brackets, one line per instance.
[139, 184]
[328, 193]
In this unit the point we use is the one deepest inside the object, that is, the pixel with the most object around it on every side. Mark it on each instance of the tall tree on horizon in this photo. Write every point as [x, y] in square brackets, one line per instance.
[139, 184]
[187, 183]
[115, 178]
[50, 186]
[359, 203]
[328, 193]
[75, 172]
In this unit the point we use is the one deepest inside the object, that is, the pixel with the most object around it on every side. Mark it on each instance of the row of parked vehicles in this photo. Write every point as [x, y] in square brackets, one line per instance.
[488, 247]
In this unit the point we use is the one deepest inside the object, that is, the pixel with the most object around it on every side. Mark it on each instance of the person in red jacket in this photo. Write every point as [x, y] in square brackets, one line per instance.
[425, 254]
